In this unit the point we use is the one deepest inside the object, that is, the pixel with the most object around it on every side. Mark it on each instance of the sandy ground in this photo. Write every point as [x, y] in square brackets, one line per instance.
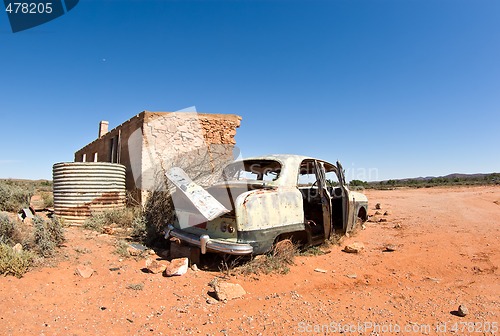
[447, 253]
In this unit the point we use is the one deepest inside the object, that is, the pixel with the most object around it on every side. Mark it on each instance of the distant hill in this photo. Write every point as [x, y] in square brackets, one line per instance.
[429, 181]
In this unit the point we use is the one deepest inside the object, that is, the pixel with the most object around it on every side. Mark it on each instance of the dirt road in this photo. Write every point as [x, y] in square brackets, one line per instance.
[447, 253]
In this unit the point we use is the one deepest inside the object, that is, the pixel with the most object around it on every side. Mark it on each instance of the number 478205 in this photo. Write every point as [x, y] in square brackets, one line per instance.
[29, 7]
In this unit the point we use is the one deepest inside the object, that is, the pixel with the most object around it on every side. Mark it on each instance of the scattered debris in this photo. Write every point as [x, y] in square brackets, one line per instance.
[133, 251]
[462, 311]
[177, 267]
[320, 270]
[154, 266]
[26, 213]
[355, 247]
[432, 279]
[390, 248]
[84, 271]
[377, 206]
[351, 276]
[108, 230]
[139, 286]
[211, 300]
[382, 220]
[225, 291]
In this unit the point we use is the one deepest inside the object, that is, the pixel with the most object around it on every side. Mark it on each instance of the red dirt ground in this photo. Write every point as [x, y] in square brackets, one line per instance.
[447, 253]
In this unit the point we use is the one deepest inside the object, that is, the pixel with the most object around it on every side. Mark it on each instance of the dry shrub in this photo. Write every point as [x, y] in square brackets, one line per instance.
[158, 212]
[14, 262]
[47, 235]
[123, 218]
[277, 261]
[14, 197]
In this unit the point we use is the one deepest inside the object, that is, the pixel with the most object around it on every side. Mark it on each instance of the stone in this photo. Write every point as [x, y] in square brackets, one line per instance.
[195, 268]
[320, 270]
[387, 213]
[84, 271]
[377, 213]
[182, 251]
[397, 226]
[133, 251]
[377, 206]
[382, 220]
[18, 248]
[226, 291]
[355, 247]
[462, 311]
[211, 300]
[390, 248]
[351, 276]
[108, 230]
[177, 267]
[154, 266]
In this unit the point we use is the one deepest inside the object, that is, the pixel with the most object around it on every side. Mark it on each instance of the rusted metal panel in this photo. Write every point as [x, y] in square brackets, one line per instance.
[83, 188]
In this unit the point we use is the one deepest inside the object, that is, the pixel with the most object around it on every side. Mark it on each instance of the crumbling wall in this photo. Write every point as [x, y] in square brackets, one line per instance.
[150, 143]
[201, 144]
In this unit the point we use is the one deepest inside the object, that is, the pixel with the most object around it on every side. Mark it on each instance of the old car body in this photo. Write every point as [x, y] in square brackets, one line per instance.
[266, 199]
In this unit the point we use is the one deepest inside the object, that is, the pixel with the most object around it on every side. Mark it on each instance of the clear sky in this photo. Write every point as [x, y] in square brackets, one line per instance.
[391, 88]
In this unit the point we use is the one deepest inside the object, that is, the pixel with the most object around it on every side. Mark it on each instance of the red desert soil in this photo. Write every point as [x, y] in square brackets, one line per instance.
[446, 253]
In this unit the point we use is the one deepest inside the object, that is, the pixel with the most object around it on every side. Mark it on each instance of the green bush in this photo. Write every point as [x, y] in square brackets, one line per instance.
[7, 229]
[14, 197]
[118, 217]
[47, 235]
[14, 262]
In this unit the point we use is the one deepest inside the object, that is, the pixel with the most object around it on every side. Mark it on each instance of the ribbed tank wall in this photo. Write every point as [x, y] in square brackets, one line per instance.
[83, 188]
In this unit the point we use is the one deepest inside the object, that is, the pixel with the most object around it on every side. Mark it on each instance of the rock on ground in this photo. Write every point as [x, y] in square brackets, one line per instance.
[226, 291]
[154, 266]
[355, 247]
[462, 311]
[84, 271]
[177, 267]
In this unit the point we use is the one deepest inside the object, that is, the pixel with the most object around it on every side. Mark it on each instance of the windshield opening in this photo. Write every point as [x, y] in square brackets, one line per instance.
[252, 170]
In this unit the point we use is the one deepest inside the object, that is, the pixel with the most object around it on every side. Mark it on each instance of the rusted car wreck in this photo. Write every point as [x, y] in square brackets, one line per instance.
[261, 200]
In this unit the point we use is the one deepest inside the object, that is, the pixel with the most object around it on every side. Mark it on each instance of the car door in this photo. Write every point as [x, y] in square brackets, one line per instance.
[326, 200]
[347, 201]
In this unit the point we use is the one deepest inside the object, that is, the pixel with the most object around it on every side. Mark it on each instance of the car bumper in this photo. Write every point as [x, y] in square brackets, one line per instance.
[208, 244]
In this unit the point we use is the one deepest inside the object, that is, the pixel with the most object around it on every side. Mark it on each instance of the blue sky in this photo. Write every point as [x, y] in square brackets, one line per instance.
[391, 88]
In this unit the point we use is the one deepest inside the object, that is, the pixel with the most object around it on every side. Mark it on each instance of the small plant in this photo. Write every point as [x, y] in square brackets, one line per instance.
[47, 235]
[312, 251]
[14, 262]
[7, 229]
[277, 261]
[121, 248]
[48, 200]
[139, 227]
[118, 217]
[137, 287]
[14, 196]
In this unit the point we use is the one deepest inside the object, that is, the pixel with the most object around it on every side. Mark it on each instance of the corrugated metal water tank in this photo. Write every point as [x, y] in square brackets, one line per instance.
[83, 188]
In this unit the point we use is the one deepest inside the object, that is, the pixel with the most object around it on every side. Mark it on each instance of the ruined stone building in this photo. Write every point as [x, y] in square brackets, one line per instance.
[152, 142]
